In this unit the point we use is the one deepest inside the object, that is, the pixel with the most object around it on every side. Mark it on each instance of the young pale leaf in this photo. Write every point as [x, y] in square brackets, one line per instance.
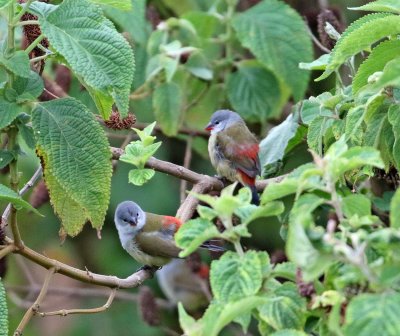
[265, 29]
[254, 91]
[9, 195]
[93, 48]
[167, 107]
[77, 160]
[390, 75]
[3, 311]
[125, 5]
[233, 277]
[219, 315]
[188, 324]
[378, 26]
[319, 64]
[354, 119]
[28, 89]
[140, 176]
[194, 233]
[18, 63]
[284, 308]
[251, 212]
[392, 6]
[286, 270]
[368, 312]
[356, 204]
[376, 61]
[8, 112]
[395, 210]
[272, 148]
[316, 132]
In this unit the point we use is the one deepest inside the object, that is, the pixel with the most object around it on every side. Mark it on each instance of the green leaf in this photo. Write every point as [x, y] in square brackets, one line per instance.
[233, 277]
[4, 3]
[286, 270]
[77, 162]
[395, 210]
[353, 128]
[252, 212]
[376, 61]
[137, 153]
[188, 323]
[380, 6]
[95, 51]
[284, 308]
[167, 107]
[5, 157]
[301, 251]
[194, 233]
[198, 66]
[265, 29]
[18, 63]
[356, 40]
[390, 75]
[8, 112]
[28, 89]
[319, 64]
[288, 332]
[394, 119]
[140, 176]
[3, 310]
[273, 146]
[9, 195]
[26, 132]
[368, 312]
[356, 204]
[254, 91]
[124, 5]
[316, 132]
[218, 315]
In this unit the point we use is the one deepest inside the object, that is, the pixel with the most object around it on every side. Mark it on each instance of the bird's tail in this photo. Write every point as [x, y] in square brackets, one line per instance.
[255, 199]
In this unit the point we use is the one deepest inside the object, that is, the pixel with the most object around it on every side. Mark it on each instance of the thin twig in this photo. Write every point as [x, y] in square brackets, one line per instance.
[6, 250]
[182, 130]
[35, 307]
[317, 42]
[25, 188]
[65, 312]
[186, 164]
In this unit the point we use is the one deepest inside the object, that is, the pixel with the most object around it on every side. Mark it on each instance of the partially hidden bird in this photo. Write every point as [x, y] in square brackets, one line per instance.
[233, 150]
[147, 237]
[180, 283]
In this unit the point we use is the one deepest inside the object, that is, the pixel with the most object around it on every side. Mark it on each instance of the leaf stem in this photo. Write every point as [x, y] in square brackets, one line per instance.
[22, 12]
[27, 22]
[39, 58]
[34, 43]
[14, 180]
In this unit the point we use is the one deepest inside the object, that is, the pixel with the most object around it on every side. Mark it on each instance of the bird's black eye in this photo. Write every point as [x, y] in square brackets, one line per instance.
[217, 122]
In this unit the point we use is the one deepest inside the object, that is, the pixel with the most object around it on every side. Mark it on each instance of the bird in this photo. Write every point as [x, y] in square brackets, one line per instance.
[147, 237]
[233, 150]
[180, 283]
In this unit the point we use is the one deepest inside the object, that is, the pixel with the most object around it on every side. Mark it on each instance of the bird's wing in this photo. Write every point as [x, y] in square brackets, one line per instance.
[165, 224]
[158, 244]
[238, 145]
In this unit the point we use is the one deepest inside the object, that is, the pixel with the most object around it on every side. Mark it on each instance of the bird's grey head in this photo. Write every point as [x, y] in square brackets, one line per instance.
[222, 119]
[129, 218]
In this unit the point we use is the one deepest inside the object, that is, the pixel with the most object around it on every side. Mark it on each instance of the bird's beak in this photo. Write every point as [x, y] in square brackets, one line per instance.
[209, 127]
[133, 221]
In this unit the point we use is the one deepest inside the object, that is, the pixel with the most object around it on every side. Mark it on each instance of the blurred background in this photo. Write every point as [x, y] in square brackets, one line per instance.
[161, 195]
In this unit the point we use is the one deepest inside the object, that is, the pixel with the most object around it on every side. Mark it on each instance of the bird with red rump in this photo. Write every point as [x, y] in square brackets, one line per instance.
[233, 150]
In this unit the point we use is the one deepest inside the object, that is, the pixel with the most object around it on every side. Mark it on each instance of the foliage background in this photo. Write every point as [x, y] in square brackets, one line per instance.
[161, 195]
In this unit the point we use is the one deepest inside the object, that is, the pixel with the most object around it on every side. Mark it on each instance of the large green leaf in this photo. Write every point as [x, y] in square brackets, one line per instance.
[278, 37]
[28, 89]
[77, 162]
[193, 233]
[376, 61]
[254, 91]
[273, 146]
[3, 311]
[361, 36]
[394, 119]
[284, 308]
[367, 312]
[95, 51]
[233, 277]
[167, 107]
[381, 6]
[9, 195]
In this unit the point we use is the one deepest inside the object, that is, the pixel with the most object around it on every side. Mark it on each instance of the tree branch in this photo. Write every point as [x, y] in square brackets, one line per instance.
[34, 308]
[65, 312]
[186, 164]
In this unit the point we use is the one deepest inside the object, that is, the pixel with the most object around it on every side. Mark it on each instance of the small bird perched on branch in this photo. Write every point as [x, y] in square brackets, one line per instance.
[147, 237]
[233, 150]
